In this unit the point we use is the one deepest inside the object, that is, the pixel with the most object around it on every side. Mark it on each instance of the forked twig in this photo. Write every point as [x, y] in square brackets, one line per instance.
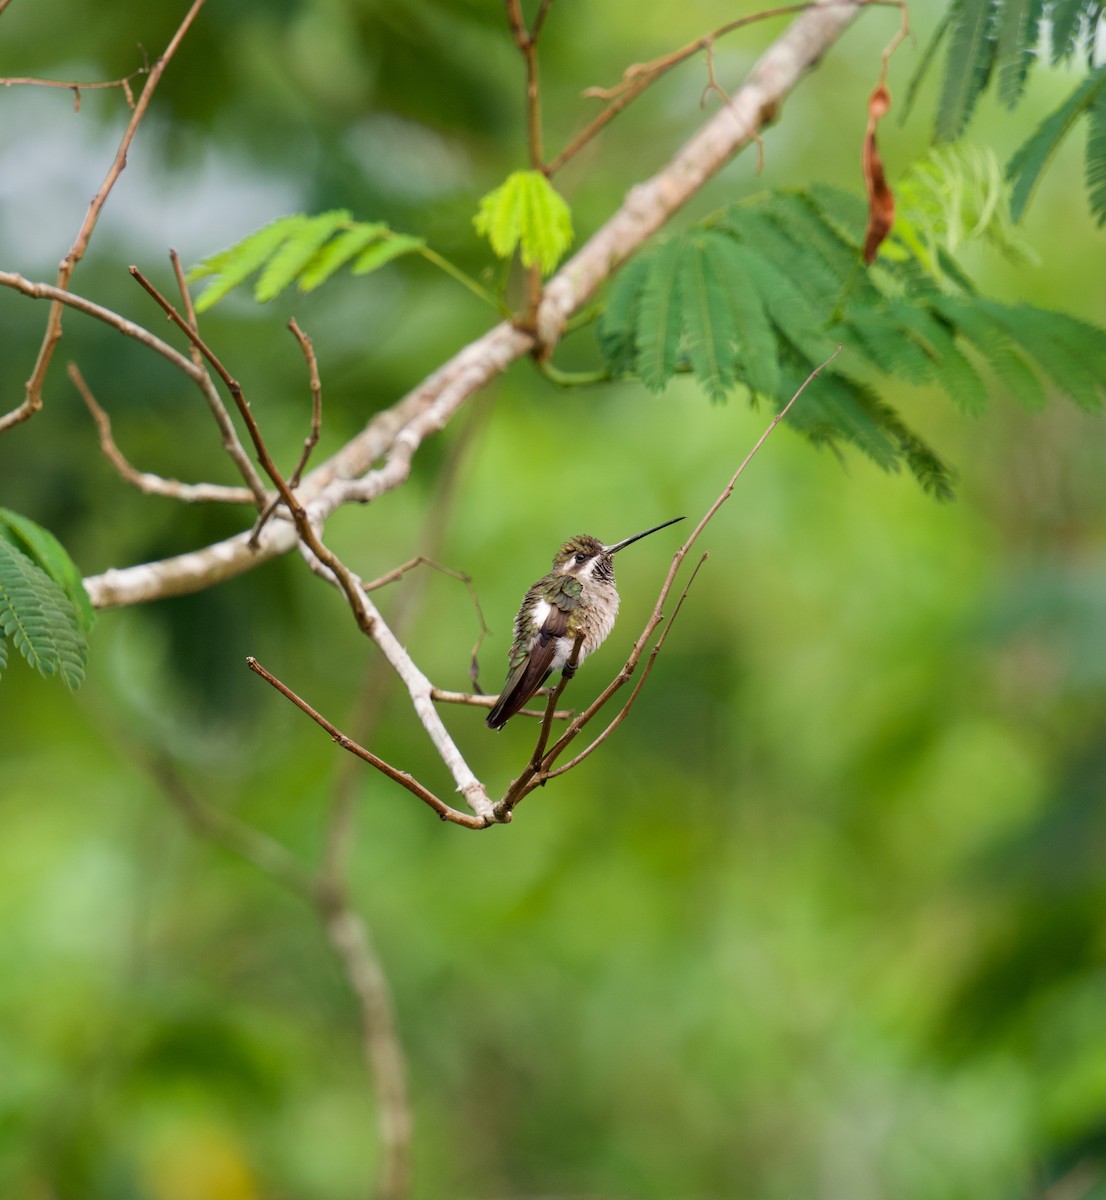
[404, 779]
[533, 776]
[147, 481]
[32, 401]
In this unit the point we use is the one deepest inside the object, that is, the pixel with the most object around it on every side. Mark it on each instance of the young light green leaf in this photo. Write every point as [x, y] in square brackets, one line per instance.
[384, 251]
[298, 249]
[337, 252]
[527, 213]
[234, 265]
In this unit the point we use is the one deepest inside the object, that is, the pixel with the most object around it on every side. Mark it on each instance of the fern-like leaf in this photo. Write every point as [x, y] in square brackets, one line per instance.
[756, 341]
[36, 614]
[993, 341]
[1069, 351]
[616, 330]
[373, 257]
[953, 195]
[1015, 47]
[1028, 162]
[338, 251]
[970, 58]
[303, 250]
[1095, 156]
[660, 317]
[302, 244]
[708, 318]
[43, 548]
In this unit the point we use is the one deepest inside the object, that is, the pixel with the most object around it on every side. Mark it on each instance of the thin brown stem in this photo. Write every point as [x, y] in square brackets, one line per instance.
[73, 85]
[146, 481]
[385, 768]
[33, 396]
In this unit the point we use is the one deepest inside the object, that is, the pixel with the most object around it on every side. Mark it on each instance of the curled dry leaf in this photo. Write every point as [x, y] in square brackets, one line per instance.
[881, 200]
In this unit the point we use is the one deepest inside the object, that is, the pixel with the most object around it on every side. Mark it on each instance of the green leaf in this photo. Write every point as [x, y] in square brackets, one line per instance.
[615, 331]
[47, 552]
[238, 262]
[39, 618]
[1095, 157]
[1018, 32]
[953, 195]
[994, 342]
[303, 250]
[527, 213]
[708, 318]
[1071, 352]
[296, 252]
[1025, 167]
[382, 252]
[660, 317]
[970, 57]
[756, 339]
[337, 252]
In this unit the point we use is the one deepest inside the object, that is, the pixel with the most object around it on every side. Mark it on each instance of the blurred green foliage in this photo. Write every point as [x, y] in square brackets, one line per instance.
[823, 918]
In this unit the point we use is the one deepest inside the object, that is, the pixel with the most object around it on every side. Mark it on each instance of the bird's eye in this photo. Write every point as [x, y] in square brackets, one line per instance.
[581, 558]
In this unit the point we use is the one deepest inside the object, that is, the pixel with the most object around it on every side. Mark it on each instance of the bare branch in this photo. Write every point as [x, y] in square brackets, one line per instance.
[73, 85]
[145, 481]
[394, 436]
[33, 398]
[385, 768]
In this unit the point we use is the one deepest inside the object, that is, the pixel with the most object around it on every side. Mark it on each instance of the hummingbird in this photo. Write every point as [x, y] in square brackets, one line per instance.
[577, 599]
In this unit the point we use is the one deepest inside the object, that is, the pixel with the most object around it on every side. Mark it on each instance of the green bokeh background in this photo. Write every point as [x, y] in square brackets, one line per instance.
[824, 918]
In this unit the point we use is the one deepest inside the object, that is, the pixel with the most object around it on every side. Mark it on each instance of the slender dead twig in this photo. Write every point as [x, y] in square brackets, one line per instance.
[534, 775]
[312, 440]
[73, 85]
[231, 443]
[640, 76]
[32, 401]
[146, 481]
[351, 942]
[379, 458]
[385, 768]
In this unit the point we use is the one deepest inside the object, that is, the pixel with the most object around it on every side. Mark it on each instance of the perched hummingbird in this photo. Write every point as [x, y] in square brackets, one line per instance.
[577, 598]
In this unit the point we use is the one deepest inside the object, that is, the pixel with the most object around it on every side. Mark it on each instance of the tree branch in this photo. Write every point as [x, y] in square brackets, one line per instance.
[396, 434]
[33, 397]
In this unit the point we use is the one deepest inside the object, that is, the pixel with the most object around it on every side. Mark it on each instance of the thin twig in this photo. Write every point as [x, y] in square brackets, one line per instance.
[385, 768]
[640, 76]
[307, 347]
[146, 481]
[533, 776]
[73, 85]
[33, 397]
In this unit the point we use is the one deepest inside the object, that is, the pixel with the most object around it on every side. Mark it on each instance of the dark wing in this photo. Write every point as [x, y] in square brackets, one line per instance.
[530, 668]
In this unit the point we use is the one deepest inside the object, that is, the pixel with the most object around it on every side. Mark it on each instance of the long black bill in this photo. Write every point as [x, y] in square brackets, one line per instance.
[637, 536]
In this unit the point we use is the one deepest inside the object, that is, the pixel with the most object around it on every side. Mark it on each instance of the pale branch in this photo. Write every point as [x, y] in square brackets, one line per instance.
[146, 481]
[639, 77]
[395, 435]
[32, 400]
[349, 937]
[321, 558]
